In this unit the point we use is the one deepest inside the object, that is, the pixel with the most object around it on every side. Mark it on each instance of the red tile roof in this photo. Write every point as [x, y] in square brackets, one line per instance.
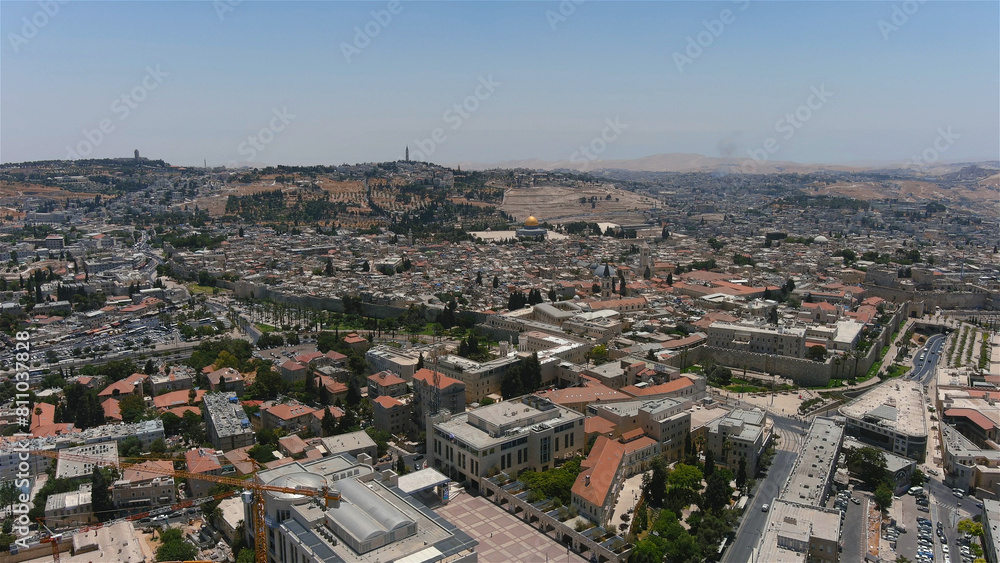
[177, 398]
[974, 416]
[125, 386]
[386, 378]
[285, 411]
[591, 392]
[387, 402]
[43, 414]
[669, 387]
[599, 425]
[112, 409]
[427, 376]
[201, 460]
[600, 466]
[135, 474]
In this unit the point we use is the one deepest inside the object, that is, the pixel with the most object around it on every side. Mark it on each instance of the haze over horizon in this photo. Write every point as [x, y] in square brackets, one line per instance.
[302, 83]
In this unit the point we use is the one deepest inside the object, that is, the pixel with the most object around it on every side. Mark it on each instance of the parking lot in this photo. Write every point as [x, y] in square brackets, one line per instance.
[930, 534]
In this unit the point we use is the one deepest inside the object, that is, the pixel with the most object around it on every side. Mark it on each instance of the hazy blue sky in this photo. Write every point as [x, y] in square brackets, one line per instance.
[556, 80]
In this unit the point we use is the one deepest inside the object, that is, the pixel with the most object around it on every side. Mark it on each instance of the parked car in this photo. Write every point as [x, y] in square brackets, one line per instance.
[765, 508]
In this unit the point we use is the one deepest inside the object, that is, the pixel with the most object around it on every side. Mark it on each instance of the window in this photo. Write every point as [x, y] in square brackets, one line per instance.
[545, 454]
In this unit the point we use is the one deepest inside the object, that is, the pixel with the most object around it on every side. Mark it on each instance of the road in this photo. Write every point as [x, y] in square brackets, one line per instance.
[748, 535]
[923, 369]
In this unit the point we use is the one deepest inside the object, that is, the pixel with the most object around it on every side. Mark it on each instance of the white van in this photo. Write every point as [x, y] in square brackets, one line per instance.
[916, 490]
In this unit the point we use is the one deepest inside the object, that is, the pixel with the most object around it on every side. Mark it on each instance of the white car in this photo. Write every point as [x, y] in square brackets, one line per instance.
[944, 548]
[765, 508]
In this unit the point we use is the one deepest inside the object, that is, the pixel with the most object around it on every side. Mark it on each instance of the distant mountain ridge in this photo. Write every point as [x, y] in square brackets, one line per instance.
[683, 162]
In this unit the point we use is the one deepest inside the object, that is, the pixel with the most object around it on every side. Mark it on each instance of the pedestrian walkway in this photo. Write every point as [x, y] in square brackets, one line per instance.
[502, 536]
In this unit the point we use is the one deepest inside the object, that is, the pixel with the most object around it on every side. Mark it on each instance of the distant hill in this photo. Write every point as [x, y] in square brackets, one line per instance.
[681, 162]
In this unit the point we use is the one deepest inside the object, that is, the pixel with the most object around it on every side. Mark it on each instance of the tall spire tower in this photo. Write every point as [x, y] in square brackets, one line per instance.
[407, 153]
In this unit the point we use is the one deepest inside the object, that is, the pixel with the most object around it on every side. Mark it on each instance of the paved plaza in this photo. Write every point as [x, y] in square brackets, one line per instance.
[502, 536]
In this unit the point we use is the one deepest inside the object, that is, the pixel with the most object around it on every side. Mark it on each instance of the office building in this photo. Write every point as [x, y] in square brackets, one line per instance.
[525, 433]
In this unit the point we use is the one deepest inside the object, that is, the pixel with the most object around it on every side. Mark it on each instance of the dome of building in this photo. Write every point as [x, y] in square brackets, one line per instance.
[821, 240]
[531, 222]
[294, 480]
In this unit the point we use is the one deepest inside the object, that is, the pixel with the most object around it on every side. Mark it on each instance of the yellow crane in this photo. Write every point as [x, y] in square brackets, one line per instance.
[324, 494]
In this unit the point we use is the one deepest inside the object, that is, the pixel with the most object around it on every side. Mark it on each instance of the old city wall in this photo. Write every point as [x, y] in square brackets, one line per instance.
[945, 300]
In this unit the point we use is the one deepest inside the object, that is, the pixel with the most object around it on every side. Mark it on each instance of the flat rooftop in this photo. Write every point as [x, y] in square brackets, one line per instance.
[69, 469]
[815, 464]
[368, 506]
[789, 528]
[896, 405]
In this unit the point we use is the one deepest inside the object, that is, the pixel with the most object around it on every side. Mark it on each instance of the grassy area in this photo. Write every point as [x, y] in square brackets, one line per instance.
[196, 289]
[265, 328]
[875, 367]
[742, 386]
[896, 370]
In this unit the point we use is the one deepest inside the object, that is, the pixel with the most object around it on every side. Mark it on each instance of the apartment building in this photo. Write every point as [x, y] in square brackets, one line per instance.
[226, 423]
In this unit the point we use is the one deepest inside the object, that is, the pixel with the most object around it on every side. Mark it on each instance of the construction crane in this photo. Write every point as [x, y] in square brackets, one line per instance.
[324, 494]
[53, 539]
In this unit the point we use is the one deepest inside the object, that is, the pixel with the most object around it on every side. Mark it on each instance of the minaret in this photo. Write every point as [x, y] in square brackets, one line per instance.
[407, 153]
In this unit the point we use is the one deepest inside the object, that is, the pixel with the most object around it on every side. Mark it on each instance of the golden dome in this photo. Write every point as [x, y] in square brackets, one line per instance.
[531, 222]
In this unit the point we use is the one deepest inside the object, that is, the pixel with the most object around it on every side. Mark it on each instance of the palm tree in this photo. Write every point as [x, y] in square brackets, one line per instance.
[699, 443]
[726, 447]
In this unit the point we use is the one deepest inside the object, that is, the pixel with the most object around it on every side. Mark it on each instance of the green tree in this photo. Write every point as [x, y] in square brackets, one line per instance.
[717, 493]
[709, 463]
[883, 496]
[917, 478]
[741, 473]
[132, 407]
[101, 495]
[510, 384]
[328, 423]
[171, 423]
[131, 447]
[531, 374]
[868, 463]
[174, 548]
[816, 353]
[972, 527]
[654, 483]
[685, 476]
[158, 447]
